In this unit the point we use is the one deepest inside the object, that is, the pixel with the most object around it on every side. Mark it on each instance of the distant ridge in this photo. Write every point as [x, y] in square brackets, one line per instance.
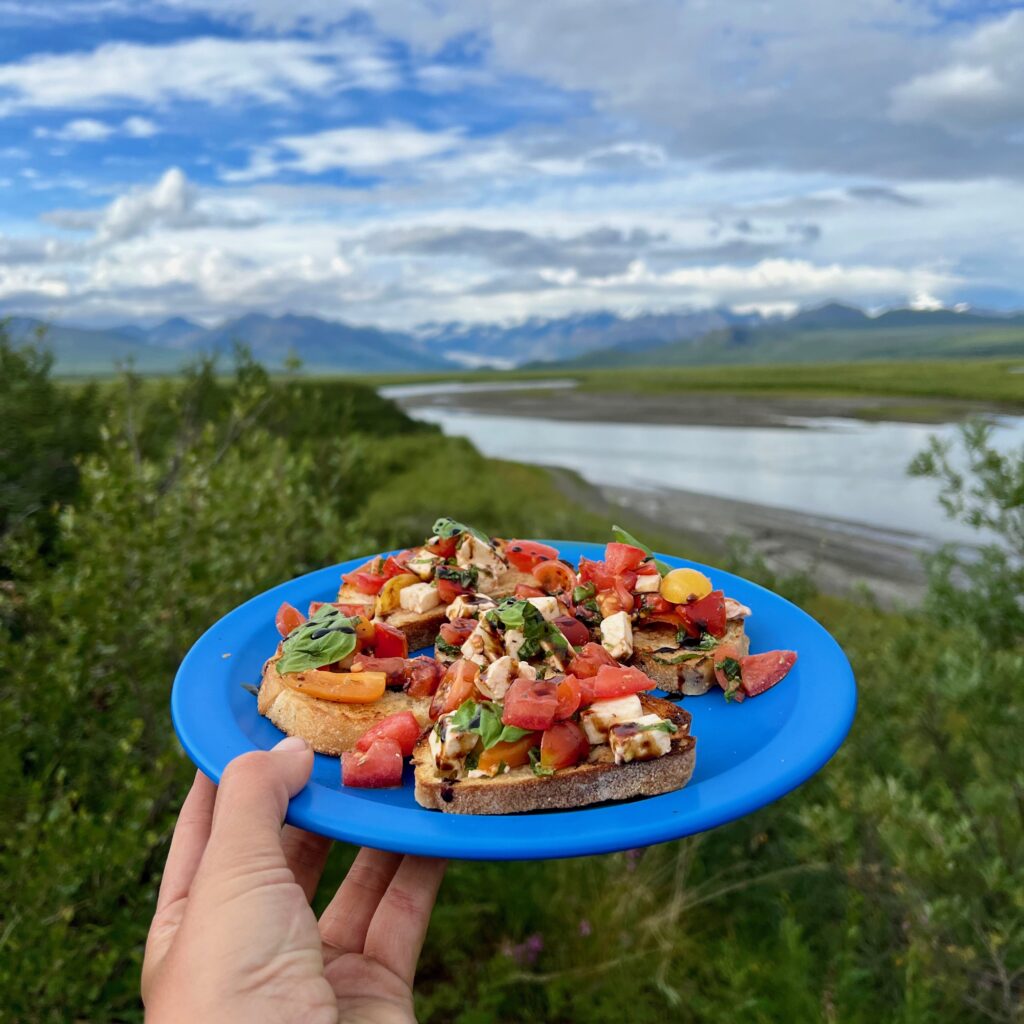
[832, 331]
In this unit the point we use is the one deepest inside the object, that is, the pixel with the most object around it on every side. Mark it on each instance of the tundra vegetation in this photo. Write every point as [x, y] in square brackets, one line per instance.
[890, 888]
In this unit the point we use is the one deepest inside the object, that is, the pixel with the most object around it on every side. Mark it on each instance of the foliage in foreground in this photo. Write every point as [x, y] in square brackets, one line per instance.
[890, 888]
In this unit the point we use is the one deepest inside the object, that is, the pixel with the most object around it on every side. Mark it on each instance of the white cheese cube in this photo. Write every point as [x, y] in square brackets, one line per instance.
[630, 741]
[649, 584]
[514, 639]
[475, 552]
[449, 746]
[603, 714]
[497, 677]
[617, 635]
[469, 606]
[418, 597]
[422, 564]
[482, 646]
[547, 606]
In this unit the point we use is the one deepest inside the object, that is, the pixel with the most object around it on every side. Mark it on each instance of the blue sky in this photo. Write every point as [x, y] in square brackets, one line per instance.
[405, 162]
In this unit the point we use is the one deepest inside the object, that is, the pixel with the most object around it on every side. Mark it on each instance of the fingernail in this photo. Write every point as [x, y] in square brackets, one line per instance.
[292, 743]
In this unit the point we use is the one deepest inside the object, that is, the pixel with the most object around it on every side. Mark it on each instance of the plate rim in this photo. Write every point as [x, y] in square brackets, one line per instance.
[602, 835]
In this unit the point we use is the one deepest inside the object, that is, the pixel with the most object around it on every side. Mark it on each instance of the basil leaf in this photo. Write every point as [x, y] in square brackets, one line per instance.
[516, 613]
[623, 537]
[538, 768]
[708, 642]
[583, 592]
[448, 650]
[663, 726]
[327, 636]
[677, 659]
[447, 527]
[731, 669]
[463, 577]
[472, 759]
[484, 719]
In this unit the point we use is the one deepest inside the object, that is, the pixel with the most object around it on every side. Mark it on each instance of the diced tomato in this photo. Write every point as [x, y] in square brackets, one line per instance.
[654, 608]
[760, 672]
[707, 614]
[573, 630]
[401, 727]
[721, 653]
[588, 662]
[512, 753]
[609, 602]
[524, 590]
[620, 557]
[422, 677]
[530, 704]
[569, 694]
[525, 554]
[457, 631]
[389, 642]
[394, 668]
[448, 590]
[554, 577]
[397, 564]
[457, 685]
[288, 618]
[587, 695]
[563, 745]
[647, 569]
[445, 546]
[596, 573]
[620, 682]
[380, 767]
[624, 590]
[365, 582]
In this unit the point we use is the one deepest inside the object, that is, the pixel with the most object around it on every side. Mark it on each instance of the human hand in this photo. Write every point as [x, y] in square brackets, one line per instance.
[234, 937]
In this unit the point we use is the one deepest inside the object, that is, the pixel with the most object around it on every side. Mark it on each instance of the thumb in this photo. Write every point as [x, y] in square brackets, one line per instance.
[252, 800]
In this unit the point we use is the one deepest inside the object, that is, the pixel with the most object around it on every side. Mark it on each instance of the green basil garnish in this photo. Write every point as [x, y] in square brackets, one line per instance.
[447, 527]
[484, 719]
[327, 636]
[516, 613]
[623, 537]
[538, 768]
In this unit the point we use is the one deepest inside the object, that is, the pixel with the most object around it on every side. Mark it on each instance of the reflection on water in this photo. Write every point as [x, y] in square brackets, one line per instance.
[844, 469]
[463, 387]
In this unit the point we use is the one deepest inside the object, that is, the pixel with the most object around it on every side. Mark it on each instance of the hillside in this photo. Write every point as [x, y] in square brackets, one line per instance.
[828, 336]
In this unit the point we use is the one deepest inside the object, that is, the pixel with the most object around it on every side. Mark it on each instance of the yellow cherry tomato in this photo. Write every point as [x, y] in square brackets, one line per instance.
[682, 585]
[341, 687]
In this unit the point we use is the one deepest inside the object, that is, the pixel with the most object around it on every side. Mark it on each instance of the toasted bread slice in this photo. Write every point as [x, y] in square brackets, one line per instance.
[421, 628]
[326, 725]
[676, 669]
[592, 782]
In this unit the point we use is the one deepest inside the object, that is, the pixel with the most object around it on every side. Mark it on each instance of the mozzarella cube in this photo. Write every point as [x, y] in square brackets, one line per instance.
[630, 741]
[648, 584]
[449, 746]
[482, 646]
[475, 552]
[514, 639]
[498, 676]
[469, 606]
[603, 714]
[617, 635]
[418, 597]
[422, 564]
[547, 606]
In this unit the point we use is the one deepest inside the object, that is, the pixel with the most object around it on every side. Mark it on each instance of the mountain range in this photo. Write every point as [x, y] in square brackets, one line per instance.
[830, 332]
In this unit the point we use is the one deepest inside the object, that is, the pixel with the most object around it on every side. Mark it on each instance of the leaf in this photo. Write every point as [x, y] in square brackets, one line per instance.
[538, 768]
[448, 527]
[625, 537]
[327, 636]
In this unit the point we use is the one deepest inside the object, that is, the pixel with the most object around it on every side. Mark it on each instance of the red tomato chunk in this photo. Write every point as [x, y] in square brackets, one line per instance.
[401, 727]
[380, 767]
[530, 704]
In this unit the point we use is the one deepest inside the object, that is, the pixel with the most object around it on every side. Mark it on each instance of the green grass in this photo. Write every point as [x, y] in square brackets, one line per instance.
[987, 381]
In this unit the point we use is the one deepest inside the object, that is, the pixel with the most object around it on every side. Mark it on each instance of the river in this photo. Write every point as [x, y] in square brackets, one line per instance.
[848, 470]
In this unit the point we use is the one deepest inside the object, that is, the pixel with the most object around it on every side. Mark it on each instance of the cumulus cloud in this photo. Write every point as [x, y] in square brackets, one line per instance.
[88, 129]
[211, 70]
[980, 89]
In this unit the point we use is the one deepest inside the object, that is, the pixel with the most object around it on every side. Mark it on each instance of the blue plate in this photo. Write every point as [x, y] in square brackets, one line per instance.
[748, 754]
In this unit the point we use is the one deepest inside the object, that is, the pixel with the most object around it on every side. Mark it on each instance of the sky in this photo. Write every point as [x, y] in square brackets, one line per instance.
[400, 162]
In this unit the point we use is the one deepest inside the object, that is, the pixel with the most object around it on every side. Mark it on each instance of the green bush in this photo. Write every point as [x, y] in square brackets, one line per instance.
[888, 889]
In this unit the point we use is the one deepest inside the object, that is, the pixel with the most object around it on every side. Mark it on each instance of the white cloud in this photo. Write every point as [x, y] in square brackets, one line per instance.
[358, 149]
[139, 127]
[210, 70]
[982, 88]
[88, 129]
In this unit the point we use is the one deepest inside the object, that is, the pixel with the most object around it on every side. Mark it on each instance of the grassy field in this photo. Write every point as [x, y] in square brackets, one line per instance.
[995, 381]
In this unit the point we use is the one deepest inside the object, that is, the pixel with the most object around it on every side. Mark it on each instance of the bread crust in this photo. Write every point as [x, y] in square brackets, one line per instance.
[593, 782]
[692, 677]
[328, 726]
